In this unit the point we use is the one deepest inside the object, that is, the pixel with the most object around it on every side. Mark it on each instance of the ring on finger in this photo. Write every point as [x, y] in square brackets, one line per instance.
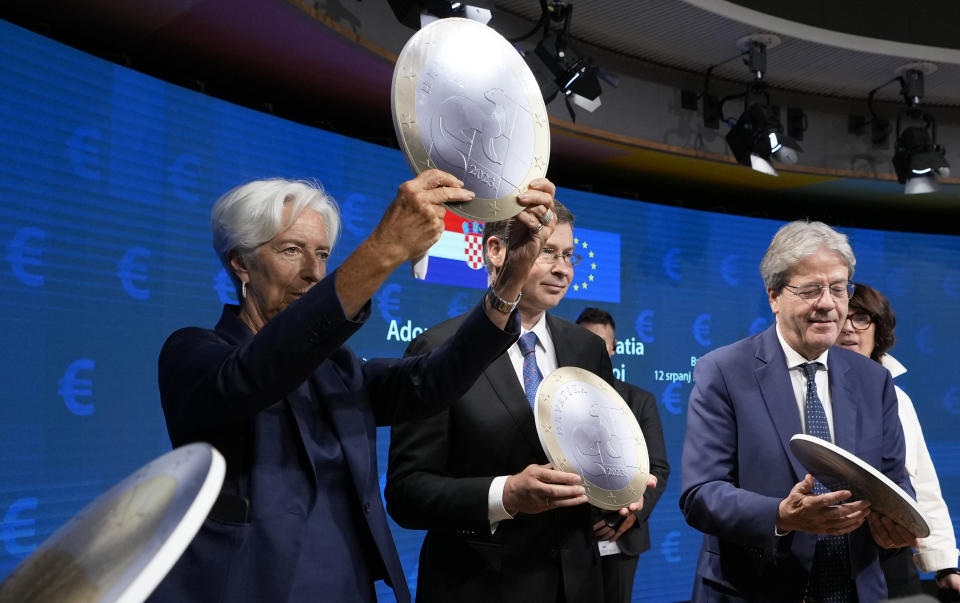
[535, 231]
[547, 501]
[546, 218]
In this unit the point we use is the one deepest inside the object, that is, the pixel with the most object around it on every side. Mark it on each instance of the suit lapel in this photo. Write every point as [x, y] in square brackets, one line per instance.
[842, 399]
[777, 391]
[502, 378]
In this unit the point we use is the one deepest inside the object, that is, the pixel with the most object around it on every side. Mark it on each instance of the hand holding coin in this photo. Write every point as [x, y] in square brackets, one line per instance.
[413, 222]
[539, 488]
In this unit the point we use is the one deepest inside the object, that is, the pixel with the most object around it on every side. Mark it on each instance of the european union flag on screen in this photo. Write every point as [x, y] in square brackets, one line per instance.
[597, 276]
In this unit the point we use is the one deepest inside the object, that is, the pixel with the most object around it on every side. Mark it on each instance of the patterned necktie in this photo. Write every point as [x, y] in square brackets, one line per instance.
[531, 372]
[830, 575]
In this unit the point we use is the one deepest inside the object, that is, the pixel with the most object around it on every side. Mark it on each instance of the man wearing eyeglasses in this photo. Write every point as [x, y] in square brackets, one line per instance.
[503, 525]
[771, 532]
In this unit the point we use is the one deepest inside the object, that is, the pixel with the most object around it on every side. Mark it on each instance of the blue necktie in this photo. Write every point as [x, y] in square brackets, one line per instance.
[830, 575]
[531, 372]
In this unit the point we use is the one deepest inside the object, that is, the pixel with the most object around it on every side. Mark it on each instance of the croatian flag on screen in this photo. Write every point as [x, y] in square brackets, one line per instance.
[456, 259]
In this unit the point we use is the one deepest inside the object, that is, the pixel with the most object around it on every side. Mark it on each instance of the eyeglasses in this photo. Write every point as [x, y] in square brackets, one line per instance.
[549, 255]
[813, 292]
[859, 321]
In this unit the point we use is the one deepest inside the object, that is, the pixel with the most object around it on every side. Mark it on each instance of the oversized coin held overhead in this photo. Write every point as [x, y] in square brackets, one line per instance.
[586, 428]
[464, 101]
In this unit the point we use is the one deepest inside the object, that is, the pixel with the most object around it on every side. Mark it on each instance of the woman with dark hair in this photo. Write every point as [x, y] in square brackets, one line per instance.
[868, 330]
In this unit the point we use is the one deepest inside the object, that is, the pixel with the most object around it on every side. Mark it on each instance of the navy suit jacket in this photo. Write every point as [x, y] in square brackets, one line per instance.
[440, 473]
[245, 394]
[737, 466]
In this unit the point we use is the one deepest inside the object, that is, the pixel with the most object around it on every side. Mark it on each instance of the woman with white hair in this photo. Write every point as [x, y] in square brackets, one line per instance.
[294, 412]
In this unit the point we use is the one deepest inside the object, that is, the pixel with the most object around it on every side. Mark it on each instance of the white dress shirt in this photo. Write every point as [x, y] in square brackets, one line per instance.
[546, 356]
[799, 381]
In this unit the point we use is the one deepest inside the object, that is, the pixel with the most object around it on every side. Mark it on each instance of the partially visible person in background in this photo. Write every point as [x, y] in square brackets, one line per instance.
[631, 537]
[869, 330]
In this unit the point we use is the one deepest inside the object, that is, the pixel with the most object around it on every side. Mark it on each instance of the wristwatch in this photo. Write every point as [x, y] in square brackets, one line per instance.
[501, 305]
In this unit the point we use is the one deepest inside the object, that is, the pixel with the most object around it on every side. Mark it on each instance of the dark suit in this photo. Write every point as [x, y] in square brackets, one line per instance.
[295, 414]
[440, 473]
[737, 466]
[619, 570]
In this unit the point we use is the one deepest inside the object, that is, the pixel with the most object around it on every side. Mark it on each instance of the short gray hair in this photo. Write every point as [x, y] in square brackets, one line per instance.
[797, 240]
[251, 214]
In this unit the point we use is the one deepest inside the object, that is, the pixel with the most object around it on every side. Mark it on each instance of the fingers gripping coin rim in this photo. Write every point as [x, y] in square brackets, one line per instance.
[546, 430]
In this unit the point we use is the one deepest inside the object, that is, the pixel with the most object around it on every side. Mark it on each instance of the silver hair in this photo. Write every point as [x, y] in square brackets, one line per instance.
[251, 214]
[797, 240]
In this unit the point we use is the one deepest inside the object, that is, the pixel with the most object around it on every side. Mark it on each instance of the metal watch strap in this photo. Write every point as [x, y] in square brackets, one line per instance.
[499, 304]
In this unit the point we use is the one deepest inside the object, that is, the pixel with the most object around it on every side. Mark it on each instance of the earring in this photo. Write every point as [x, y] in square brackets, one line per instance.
[243, 289]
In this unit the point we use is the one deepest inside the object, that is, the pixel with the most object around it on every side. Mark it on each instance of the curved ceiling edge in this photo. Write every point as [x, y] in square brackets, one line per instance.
[801, 31]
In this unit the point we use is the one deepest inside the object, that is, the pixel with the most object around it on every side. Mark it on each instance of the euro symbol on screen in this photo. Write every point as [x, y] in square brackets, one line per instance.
[671, 263]
[73, 387]
[671, 398]
[21, 254]
[129, 272]
[13, 527]
[670, 547]
[388, 301]
[701, 329]
[644, 326]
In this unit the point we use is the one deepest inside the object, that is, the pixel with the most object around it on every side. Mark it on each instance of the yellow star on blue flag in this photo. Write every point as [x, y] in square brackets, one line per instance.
[597, 277]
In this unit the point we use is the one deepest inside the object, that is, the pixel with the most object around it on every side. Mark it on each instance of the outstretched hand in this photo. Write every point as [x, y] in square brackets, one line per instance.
[804, 511]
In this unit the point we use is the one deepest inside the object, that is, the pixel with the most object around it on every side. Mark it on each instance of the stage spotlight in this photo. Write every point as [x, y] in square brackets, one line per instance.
[418, 13]
[577, 79]
[758, 137]
[918, 160]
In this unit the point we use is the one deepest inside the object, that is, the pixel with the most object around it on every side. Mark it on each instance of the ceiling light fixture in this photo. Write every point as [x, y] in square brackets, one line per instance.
[757, 137]
[573, 76]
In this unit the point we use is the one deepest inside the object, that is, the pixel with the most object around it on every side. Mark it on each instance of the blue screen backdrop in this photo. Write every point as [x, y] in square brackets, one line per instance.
[106, 183]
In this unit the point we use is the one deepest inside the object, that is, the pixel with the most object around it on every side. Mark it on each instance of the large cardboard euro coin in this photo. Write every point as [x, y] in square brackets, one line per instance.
[838, 469]
[586, 428]
[120, 546]
[464, 101]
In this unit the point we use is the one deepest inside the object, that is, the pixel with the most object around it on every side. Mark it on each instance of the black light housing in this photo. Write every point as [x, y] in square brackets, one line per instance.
[577, 79]
[417, 13]
[918, 160]
[758, 137]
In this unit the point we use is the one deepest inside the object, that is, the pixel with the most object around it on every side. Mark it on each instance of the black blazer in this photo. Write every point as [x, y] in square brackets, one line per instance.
[244, 394]
[440, 472]
[644, 406]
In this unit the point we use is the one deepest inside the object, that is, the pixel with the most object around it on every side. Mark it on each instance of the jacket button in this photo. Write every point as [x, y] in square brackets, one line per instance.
[366, 507]
[553, 553]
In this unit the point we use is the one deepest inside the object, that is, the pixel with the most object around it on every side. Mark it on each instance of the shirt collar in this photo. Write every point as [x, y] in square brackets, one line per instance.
[794, 359]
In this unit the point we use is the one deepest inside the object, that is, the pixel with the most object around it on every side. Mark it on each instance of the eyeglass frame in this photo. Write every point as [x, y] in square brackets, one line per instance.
[554, 255]
[848, 291]
[869, 318]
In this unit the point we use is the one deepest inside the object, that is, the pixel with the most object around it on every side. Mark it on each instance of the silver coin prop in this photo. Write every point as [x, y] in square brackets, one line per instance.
[838, 469]
[586, 428]
[464, 101]
[120, 546]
